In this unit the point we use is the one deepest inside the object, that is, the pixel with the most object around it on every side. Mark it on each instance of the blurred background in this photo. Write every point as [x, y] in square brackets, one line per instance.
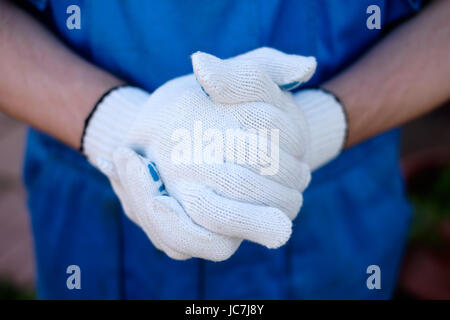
[425, 160]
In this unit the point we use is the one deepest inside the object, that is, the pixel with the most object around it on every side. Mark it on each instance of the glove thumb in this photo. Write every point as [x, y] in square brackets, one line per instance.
[254, 76]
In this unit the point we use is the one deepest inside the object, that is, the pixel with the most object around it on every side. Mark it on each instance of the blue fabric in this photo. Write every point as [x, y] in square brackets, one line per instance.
[39, 4]
[355, 213]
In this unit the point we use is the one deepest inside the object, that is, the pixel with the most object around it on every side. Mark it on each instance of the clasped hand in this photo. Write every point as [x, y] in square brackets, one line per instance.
[212, 158]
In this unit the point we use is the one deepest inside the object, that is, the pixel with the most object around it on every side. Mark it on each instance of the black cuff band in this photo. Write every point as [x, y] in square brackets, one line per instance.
[89, 117]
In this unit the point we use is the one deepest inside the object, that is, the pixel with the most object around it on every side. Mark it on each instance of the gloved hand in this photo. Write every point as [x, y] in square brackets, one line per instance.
[212, 206]
[319, 117]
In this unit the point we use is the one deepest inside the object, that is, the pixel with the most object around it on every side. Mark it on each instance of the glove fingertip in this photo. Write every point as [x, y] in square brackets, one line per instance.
[307, 68]
[281, 230]
[205, 66]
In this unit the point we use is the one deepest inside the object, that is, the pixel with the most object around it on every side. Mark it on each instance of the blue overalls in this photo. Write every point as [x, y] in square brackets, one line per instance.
[355, 213]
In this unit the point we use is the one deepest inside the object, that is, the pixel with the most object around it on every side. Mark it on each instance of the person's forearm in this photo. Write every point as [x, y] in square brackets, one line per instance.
[403, 77]
[42, 82]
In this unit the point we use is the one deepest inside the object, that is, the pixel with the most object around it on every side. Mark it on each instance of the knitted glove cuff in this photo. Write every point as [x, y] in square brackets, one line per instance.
[108, 123]
[327, 123]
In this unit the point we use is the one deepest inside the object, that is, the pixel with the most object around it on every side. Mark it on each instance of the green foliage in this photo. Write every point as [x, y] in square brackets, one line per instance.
[430, 196]
[9, 291]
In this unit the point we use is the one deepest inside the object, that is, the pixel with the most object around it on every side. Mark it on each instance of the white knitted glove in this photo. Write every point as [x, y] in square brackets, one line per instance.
[138, 185]
[212, 206]
[319, 119]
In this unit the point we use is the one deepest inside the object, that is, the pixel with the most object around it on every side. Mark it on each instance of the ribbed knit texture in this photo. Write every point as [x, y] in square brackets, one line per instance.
[327, 125]
[253, 76]
[110, 123]
[163, 218]
[227, 201]
[226, 197]
[203, 205]
[259, 75]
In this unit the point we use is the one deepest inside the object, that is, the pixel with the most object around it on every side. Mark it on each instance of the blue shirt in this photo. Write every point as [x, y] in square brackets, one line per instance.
[350, 203]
